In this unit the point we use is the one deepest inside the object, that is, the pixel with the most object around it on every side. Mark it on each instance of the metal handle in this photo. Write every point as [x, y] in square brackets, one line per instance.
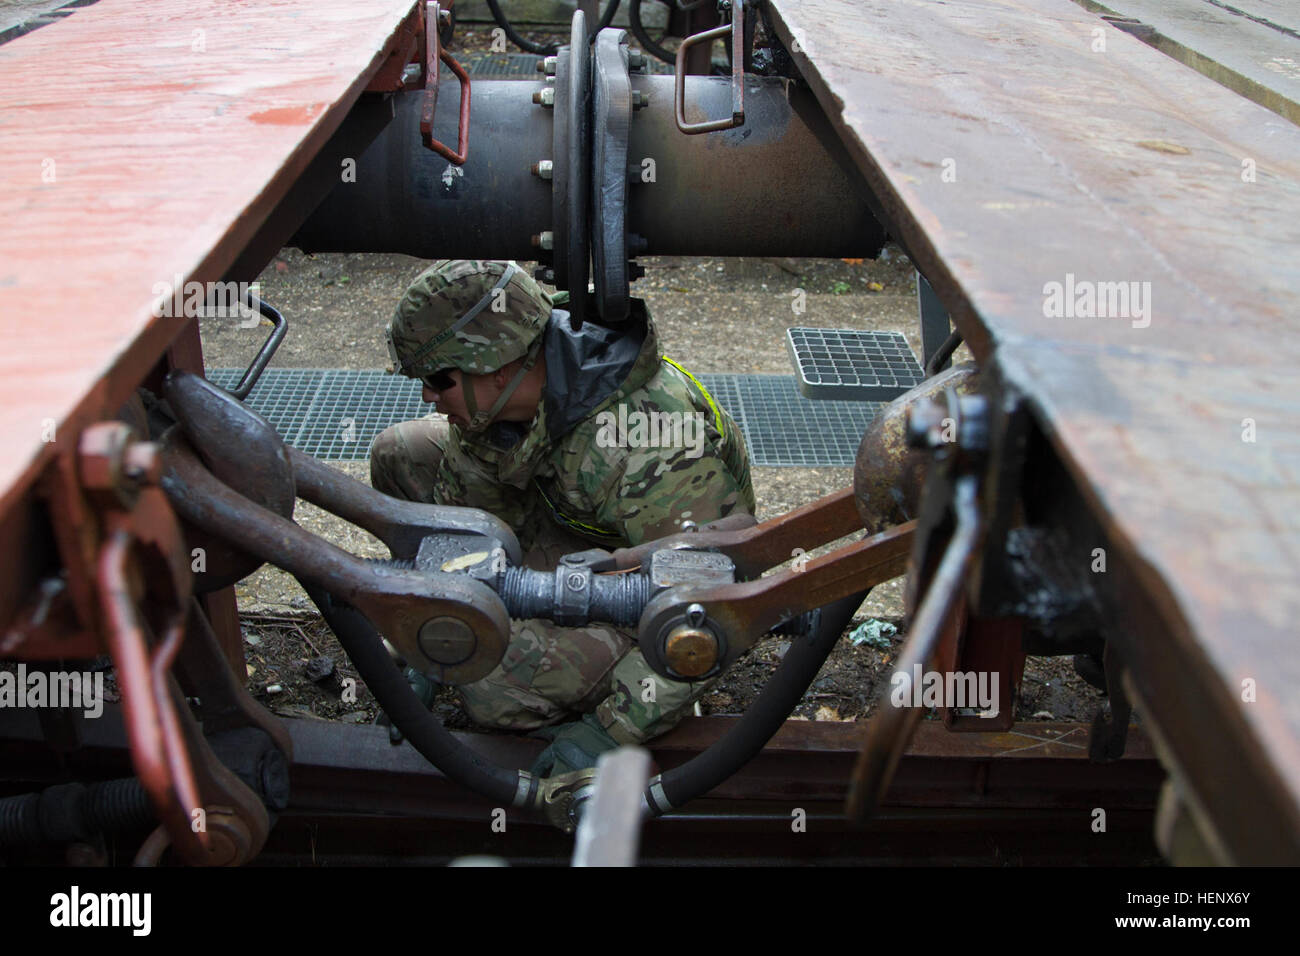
[263, 356]
[737, 30]
[433, 77]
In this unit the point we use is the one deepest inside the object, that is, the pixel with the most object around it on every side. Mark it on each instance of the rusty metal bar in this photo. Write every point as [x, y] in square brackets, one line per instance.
[160, 758]
[433, 80]
[888, 734]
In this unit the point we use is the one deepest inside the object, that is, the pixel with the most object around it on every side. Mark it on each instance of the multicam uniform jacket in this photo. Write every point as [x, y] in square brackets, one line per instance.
[625, 447]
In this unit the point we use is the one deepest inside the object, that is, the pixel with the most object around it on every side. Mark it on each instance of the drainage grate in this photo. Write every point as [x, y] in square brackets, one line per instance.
[850, 364]
[784, 429]
[500, 66]
[523, 66]
[334, 414]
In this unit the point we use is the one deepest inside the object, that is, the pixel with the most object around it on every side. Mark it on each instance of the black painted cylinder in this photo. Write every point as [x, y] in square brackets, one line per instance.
[780, 185]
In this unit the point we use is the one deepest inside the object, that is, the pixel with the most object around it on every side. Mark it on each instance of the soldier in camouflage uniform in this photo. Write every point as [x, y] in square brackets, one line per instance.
[574, 439]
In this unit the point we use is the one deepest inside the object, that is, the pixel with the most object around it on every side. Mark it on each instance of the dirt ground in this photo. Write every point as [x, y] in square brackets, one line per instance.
[714, 315]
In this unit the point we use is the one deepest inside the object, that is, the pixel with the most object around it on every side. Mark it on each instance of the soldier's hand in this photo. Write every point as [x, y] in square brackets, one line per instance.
[574, 746]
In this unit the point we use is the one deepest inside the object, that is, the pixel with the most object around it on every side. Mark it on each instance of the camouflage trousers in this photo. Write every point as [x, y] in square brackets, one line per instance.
[549, 674]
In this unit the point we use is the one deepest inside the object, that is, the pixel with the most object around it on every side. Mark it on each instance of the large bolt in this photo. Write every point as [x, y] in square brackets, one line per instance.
[545, 97]
[691, 651]
[635, 59]
[446, 640]
[639, 100]
[544, 240]
[543, 168]
[548, 65]
[543, 274]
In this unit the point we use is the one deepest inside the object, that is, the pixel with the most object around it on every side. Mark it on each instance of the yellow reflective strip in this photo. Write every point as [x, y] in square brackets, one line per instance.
[573, 522]
[717, 415]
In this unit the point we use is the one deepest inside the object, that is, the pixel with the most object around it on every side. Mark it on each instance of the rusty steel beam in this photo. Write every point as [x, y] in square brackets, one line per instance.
[1025, 151]
[1027, 794]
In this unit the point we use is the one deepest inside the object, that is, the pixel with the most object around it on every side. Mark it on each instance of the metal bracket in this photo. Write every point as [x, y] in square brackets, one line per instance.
[264, 354]
[433, 79]
[611, 131]
[736, 29]
[947, 540]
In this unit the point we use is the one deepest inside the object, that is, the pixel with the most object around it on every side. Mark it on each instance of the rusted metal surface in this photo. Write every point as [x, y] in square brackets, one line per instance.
[745, 611]
[93, 220]
[956, 797]
[158, 754]
[1010, 154]
[756, 547]
[397, 600]
[887, 474]
[989, 646]
[888, 734]
[1254, 52]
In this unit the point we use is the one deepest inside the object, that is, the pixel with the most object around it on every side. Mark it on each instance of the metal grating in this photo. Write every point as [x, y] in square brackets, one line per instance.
[785, 429]
[501, 66]
[851, 364]
[523, 66]
[334, 414]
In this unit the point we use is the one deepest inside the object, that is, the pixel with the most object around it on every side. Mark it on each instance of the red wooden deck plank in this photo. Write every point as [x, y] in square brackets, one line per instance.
[139, 141]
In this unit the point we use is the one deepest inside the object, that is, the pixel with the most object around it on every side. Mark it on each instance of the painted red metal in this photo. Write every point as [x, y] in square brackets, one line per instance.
[434, 57]
[158, 156]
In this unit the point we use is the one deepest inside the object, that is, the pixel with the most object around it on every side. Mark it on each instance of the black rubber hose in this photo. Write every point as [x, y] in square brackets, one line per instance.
[425, 732]
[528, 46]
[73, 811]
[762, 719]
[20, 821]
[643, 35]
[116, 805]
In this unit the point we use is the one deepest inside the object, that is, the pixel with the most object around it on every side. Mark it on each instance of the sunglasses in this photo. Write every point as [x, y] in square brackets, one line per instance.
[440, 381]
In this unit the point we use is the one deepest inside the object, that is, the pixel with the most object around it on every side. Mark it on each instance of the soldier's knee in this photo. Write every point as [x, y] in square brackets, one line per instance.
[489, 706]
[405, 459]
[385, 457]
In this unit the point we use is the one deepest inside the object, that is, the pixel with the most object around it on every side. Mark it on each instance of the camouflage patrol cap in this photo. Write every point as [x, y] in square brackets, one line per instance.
[471, 314]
